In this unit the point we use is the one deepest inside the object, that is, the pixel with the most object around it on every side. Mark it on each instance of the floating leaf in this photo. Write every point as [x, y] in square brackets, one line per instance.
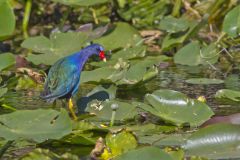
[228, 94]
[6, 60]
[81, 2]
[104, 74]
[142, 70]
[98, 93]
[208, 54]
[173, 25]
[124, 35]
[38, 125]
[204, 81]
[120, 142]
[231, 23]
[215, 142]
[110, 90]
[103, 110]
[177, 108]
[144, 153]
[7, 23]
[174, 39]
[55, 47]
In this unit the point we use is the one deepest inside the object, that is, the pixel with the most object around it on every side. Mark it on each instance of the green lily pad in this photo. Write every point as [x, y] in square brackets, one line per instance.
[173, 39]
[228, 94]
[104, 74]
[176, 108]
[6, 60]
[111, 91]
[173, 25]
[103, 110]
[144, 153]
[54, 48]
[204, 81]
[123, 36]
[208, 54]
[81, 2]
[220, 141]
[120, 142]
[141, 71]
[7, 23]
[231, 23]
[38, 125]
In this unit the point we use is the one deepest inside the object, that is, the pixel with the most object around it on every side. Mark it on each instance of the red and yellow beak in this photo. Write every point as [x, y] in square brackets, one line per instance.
[102, 56]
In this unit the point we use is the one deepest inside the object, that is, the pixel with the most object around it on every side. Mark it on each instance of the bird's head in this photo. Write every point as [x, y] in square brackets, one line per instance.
[98, 50]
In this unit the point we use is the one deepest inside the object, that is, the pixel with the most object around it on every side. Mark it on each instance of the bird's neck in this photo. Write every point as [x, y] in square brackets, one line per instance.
[82, 58]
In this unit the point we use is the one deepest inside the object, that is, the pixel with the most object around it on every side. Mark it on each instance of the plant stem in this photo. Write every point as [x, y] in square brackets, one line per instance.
[94, 15]
[26, 17]
[5, 147]
[176, 8]
[112, 118]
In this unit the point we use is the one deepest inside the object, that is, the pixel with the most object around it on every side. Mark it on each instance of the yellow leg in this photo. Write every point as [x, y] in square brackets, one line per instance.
[71, 109]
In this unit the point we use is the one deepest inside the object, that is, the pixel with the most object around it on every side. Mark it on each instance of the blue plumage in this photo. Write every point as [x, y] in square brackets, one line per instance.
[64, 76]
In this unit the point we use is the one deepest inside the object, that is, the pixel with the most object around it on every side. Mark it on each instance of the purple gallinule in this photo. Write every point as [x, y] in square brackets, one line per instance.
[64, 76]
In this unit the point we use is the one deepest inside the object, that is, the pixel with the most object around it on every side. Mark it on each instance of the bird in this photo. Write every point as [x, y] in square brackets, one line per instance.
[63, 78]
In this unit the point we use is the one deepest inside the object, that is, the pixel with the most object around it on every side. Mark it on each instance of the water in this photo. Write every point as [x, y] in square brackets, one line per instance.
[172, 77]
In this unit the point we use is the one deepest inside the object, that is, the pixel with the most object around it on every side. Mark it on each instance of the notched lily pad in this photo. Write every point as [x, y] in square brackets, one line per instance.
[176, 108]
[123, 36]
[38, 125]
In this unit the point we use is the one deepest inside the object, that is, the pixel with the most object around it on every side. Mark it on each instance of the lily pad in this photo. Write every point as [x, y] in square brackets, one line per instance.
[141, 71]
[144, 153]
[176, 108]
[120, 142]
[123, 36]
[103, 110]
[204, 81]
[228, 94]
[7, 25]
[6, 60]
[54, 48]
[208, 54]
[104, 74]
[173, 25]
[38, 125]
[231, 23]
[98, 93]
[215, 142]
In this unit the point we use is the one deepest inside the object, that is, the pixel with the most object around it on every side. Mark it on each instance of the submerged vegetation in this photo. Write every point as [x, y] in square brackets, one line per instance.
[170, 88]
